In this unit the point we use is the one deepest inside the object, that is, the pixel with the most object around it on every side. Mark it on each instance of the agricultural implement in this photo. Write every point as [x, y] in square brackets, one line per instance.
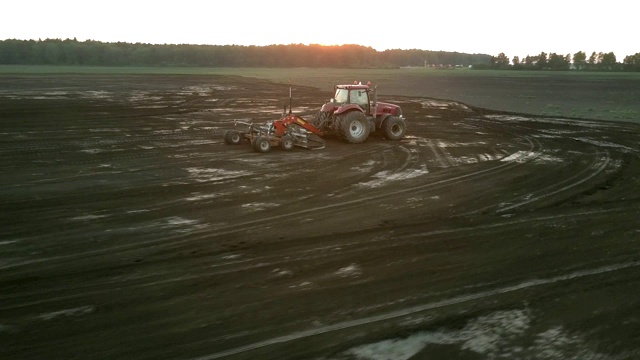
[287, 132]
[352, 114]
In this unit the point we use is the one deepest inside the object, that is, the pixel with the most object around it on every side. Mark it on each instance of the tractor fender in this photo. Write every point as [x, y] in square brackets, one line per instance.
[380, 119]
[348, 107]
[327, 107]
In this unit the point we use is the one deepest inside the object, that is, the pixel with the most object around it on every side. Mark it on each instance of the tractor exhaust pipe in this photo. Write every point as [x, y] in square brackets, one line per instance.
[374, 111]
[290, 97]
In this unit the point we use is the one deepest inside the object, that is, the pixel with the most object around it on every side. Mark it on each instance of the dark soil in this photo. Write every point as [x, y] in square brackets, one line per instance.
[560, 94]
[130, 230]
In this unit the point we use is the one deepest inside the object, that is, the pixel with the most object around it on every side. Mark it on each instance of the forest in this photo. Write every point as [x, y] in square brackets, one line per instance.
[97, 53]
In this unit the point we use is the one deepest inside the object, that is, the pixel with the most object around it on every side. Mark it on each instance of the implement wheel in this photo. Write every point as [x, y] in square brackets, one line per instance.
[232, 137]
[286, 142]
[262, 144]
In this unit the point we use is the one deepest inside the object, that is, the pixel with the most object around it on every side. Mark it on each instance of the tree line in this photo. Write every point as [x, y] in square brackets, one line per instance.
[579, 61]
[96, 53]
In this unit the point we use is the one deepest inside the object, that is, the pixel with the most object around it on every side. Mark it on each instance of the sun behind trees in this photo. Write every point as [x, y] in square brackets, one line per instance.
[96, 53]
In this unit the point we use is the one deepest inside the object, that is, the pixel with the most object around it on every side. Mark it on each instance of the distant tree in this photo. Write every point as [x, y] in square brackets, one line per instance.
[69, 51]
[608, 61]
[516, 63]
[51, 52]
[12, 52]
[632, 62]
[593, 60]
[579, 60]
[530, 61]
[557, 62]
[500, 62]
[541, 62]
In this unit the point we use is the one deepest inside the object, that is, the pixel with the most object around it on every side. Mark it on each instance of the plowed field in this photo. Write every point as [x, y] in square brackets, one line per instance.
[130, 230]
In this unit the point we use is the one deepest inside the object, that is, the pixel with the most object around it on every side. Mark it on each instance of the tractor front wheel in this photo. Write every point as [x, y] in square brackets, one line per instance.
[394, 128]
[354, 127]
[232, 137]
[261, 144]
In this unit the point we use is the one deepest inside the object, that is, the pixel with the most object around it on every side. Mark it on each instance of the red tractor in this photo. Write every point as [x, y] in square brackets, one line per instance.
[354, 112]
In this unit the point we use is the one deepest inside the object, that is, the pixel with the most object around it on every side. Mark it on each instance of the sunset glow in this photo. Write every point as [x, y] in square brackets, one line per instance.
[464, 26]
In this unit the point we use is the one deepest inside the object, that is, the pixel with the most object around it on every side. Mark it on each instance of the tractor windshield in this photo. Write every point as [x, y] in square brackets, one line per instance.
[342, 95]
[359, 97]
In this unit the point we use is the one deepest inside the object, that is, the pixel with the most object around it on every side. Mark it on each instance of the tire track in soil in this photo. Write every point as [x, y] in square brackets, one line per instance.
[587, 174]
[534, 283]
[244, 226]
[496, 289]
[411, 159]
[442, 160]
[601, 159]
[256, 224]
[260, 263]
[283, 259]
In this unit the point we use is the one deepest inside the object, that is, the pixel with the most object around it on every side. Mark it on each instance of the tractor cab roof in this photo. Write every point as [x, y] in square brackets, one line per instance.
[353, 87]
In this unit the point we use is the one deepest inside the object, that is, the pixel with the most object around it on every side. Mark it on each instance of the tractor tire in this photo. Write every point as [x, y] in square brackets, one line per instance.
[232, 137]
[262, 144]
[321, 119]
[286, 143]
[353, 127]
[394, 128]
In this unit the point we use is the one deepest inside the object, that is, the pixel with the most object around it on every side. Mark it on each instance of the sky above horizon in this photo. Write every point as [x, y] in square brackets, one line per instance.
[485, 27]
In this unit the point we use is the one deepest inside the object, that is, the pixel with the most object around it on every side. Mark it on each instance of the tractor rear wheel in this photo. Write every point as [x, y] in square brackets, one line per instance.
[262, 144]
[353, 127]
[232, 137]
[286, 142]
[394, 128]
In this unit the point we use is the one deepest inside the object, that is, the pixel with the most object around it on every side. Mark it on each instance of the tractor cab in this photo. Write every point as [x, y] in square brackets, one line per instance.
[353, 94]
